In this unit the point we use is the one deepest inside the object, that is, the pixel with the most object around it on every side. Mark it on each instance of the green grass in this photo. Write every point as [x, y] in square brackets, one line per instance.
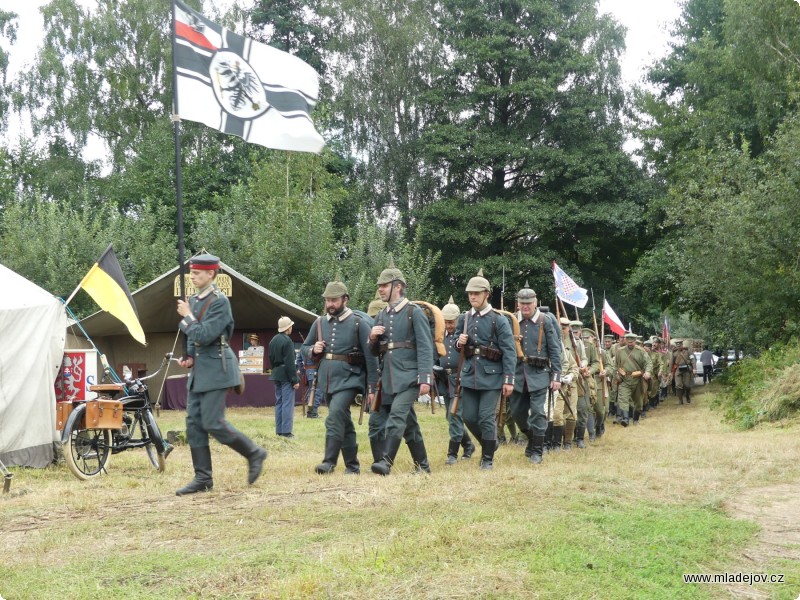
[624, 519]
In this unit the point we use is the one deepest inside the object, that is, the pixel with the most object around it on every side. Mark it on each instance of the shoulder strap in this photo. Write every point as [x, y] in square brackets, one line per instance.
[205, 307]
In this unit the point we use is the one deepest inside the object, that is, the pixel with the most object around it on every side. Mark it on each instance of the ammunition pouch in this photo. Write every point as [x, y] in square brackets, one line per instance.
[493, 354]
[469, 350]
[355, 358]
[540, 362]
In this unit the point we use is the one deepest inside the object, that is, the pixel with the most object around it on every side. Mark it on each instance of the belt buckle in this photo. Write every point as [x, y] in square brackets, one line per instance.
[390, 345]
[329, 356]
[477, 352]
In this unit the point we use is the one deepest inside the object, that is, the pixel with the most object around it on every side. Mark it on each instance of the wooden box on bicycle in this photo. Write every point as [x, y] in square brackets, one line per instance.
[63, 411]
[103, 413]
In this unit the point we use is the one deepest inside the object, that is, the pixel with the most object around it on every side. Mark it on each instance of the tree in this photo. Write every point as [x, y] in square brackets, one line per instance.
[8, 30]
[529, 141]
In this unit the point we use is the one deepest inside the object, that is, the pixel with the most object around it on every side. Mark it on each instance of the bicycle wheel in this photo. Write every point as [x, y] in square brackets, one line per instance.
[155, 445]
[87, 451]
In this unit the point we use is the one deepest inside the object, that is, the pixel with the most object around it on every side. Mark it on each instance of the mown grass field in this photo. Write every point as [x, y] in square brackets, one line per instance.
[623, 519]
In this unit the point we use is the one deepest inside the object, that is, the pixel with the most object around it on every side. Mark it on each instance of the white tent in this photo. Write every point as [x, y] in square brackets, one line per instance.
[32, 329]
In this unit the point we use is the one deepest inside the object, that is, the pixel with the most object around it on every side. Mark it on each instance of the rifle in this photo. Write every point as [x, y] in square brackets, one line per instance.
[457, 394]
[376, 404]
[600, 352]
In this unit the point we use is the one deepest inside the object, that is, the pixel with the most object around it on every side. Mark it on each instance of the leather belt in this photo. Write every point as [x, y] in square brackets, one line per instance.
[331, 356]
[395, 345]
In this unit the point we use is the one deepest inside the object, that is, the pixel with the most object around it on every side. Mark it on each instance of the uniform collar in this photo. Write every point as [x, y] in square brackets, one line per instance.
[397, 307]
[205, 291]
[345, 313]
[482, 313]
[533, 319]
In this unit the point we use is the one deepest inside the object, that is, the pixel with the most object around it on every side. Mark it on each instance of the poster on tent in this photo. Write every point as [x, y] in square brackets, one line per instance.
[78, 371]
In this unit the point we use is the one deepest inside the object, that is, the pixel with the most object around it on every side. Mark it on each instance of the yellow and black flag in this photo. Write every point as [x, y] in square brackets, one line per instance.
[106, 284]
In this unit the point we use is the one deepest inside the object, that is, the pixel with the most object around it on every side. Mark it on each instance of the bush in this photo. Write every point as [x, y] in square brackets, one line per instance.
[762, 389]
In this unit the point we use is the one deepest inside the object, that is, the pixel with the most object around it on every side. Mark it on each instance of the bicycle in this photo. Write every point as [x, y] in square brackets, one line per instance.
[129, 424]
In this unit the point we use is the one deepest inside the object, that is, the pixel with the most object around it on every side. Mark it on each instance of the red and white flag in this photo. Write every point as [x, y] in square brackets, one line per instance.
[611, 319]
[238, 86]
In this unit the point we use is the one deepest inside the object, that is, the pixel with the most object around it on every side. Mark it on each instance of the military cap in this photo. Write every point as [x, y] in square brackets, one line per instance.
[284, 323]
[648, 342]
[576, 323]
[586, 332]
[630, 336]
[375, 307]
[526, 295]
[479, 283]
[205, 262]
[608, 336]
[563, 321]
[450, 311]
[253, 336]
[335, 289]
[390, 274]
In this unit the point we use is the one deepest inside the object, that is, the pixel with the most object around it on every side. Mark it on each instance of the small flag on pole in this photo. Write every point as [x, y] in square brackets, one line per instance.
[106, 284]
[568, 290]
[665, 331]
[611, 319]
[238, 86]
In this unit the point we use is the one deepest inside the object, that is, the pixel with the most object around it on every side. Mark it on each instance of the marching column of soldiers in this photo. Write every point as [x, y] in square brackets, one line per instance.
[547, 376]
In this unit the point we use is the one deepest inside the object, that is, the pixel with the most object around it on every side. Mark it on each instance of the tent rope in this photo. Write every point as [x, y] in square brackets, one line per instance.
[166, 374]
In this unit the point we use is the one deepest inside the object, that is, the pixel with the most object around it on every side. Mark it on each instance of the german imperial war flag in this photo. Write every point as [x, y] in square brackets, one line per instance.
[238, 86]
[106, 284]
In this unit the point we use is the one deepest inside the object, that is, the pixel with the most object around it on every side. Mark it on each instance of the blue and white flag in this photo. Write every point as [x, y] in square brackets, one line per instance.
[568, 290]
[241, 87]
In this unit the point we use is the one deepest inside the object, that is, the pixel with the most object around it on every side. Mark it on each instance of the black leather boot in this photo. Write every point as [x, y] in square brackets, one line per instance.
[312, 413]
[420, 457]
[202, 482]
[538, 449]
[487, 454]
[558, 435]
[636, 416]
[452, 452]
[328, 464]
[688, 392]
[469, 447]
[579, 433]
[255, 456]
[548, 437]
[384, 465]
[529, 445]
[377, 449]
[350, 458]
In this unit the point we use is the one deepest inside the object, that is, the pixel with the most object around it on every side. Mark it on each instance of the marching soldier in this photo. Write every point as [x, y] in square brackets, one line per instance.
[207, 322]
[402, 337]
[597, 408]
[490, 360]
[653, 386]
[572, 415]
[608, 363]
[459, 437]
[682, 370]
[339, 343]
[632, 365]
[538, 371]
[566, 399]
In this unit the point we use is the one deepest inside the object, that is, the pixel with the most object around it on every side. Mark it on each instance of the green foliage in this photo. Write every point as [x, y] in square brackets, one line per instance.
[762, 389]
[55, 243]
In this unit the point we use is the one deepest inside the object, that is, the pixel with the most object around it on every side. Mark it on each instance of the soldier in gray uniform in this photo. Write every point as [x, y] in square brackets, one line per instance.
[402, 338]
[207, 322]
[339, 344]
[490, 361]
[449, 365]
[538, 371]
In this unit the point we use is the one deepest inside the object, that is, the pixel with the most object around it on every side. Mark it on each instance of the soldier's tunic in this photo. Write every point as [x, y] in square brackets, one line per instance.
[682, 362]
[630, 366]
[573, 388]
[482, 379]
[654, 384]
[407, 363]
[342, 367]
[566, 397]
[599, 394]
[449, 362]
[215, 369]
[541, 364]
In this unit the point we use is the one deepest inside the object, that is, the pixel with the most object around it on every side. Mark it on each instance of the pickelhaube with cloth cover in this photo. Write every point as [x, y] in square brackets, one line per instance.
[376, 306]
[478, 283]
[205, 262]
[526, 295]
[390, 274]
[450, 311]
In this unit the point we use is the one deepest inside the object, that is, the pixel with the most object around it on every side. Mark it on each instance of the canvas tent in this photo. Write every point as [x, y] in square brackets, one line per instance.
[33, 323]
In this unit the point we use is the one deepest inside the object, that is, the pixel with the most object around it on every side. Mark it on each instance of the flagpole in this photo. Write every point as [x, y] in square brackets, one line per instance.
[176, 120]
